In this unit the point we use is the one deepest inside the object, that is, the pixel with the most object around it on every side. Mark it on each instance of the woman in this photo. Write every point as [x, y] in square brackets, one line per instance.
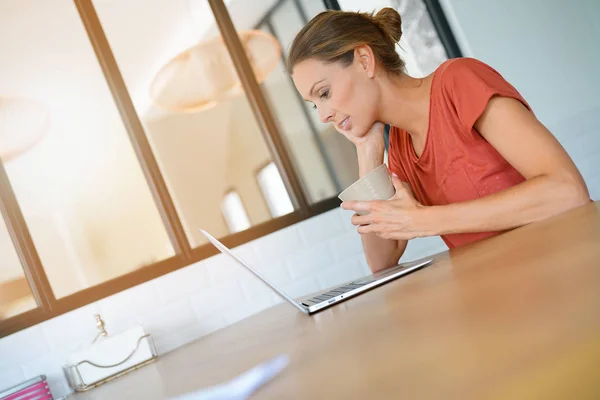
[469, 158]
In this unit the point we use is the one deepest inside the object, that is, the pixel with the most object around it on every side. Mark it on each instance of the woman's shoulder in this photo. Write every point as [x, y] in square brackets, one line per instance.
[466, 73]
[462, 66]
[467, 84]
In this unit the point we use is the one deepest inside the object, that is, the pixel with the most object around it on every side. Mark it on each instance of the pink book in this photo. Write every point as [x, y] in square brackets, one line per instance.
[33, 389]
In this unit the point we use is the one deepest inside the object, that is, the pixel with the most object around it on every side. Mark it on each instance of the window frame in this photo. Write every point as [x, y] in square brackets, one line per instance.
[185, 254]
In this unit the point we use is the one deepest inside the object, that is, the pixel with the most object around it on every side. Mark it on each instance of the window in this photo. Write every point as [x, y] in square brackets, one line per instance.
[126, 157]
[205, 138]
[326, 161]
[235, 213]
[274, 191]
[125, 122]
[84, 197]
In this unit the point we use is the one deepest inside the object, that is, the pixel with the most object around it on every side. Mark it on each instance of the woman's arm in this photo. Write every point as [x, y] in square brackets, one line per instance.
[379, 252]
[553, 184]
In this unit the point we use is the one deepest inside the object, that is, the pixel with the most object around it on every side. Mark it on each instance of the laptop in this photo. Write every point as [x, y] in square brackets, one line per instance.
[314, 303]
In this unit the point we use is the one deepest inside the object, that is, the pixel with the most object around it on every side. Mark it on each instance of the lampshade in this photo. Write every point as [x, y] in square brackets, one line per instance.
[23, 123]
[204, 74]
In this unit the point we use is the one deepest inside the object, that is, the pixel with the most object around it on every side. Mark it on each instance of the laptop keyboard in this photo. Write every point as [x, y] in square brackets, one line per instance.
[332, 293]
[350, 286]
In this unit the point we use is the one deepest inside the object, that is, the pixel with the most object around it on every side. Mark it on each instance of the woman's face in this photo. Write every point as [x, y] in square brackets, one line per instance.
[345, 96]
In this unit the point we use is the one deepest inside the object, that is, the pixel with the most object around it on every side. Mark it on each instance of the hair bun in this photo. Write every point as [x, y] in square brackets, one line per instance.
[390, 23]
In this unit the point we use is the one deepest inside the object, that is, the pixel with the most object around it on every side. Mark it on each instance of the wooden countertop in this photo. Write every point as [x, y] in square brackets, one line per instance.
[513, 317]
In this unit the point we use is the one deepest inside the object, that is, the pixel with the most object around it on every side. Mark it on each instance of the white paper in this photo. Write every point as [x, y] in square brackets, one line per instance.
[242, 386]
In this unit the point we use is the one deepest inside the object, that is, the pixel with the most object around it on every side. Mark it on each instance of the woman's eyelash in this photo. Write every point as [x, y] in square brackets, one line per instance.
[323, 95]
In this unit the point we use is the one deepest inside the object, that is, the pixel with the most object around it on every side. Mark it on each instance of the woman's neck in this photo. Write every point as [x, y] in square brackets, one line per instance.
[404, 103]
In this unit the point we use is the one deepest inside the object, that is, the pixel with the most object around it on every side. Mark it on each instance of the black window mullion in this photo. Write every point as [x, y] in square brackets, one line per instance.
[438, 18]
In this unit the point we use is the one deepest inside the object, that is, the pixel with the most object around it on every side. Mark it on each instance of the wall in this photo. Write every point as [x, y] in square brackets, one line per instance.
[548, 49]
[201, 298]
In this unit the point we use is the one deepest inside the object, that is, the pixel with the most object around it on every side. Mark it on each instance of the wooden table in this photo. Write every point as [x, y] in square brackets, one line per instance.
[513, 317]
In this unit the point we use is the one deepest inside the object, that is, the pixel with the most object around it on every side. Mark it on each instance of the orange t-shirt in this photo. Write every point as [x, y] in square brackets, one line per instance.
[457, 163]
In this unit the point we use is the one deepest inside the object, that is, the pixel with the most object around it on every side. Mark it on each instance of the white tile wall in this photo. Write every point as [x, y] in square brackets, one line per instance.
[309, 261]
[65, 332]
[10, 375]
[13, 352]
[201, 298]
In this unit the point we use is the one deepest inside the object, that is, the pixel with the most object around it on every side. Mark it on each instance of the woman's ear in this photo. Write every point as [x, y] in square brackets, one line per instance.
[366, 59]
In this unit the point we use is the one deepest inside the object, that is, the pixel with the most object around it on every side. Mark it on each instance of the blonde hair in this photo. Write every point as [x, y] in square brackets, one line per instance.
[332, 36]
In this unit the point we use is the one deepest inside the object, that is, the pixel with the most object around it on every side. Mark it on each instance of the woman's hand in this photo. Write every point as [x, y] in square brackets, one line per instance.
[370, 147]
[373, 137]
[401, 218]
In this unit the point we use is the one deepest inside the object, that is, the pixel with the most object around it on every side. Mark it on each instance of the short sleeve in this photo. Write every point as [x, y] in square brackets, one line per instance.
[469, 84]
